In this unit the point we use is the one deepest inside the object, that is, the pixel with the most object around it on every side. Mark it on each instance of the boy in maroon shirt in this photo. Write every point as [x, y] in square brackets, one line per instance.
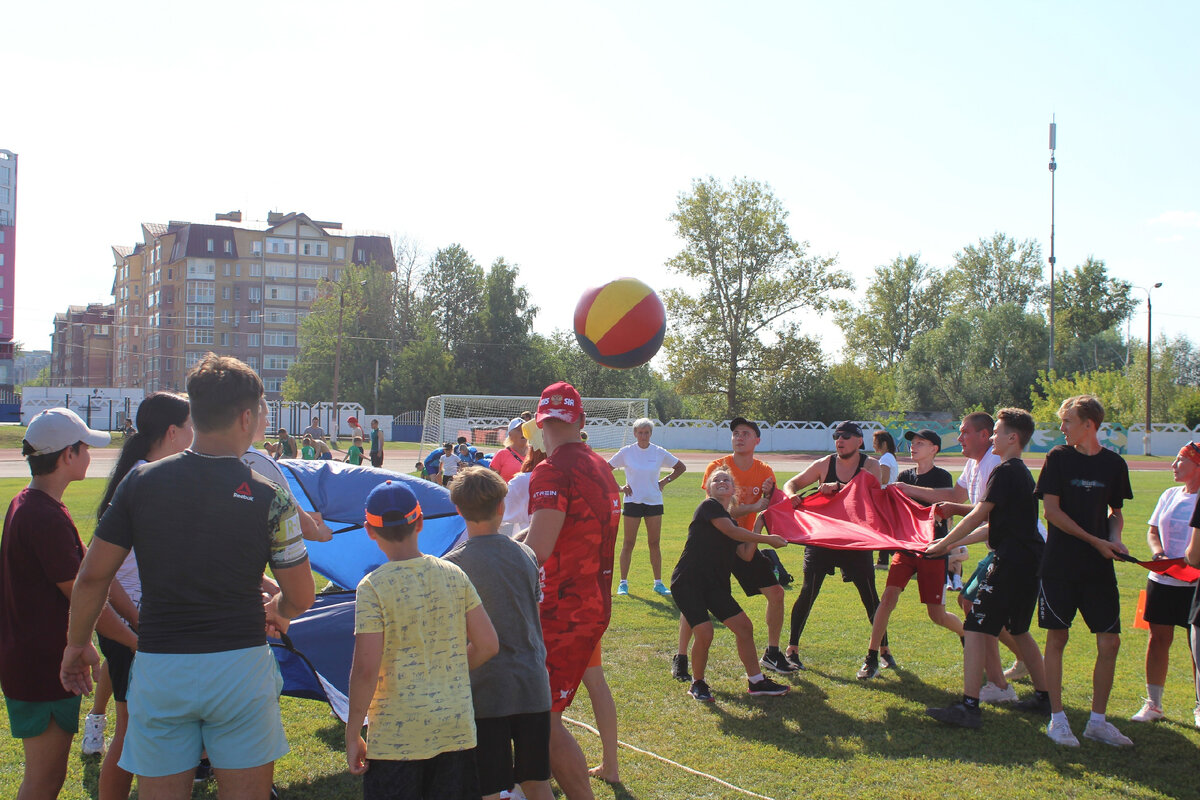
[39, 558]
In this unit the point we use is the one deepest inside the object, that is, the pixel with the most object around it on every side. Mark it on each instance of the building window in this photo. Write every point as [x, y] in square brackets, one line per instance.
[225, 316]
[237, 270]
[200, 336]
[200, 316]
[271, 339]
[237, 293]
[273, 384]
[256, 270]
[228, 249]
[339, 253]
[237, 340]
[313, 272]
[281, 292]
[281, 270]
[255, 294]
[191, 359]
[226, 270]
[224, 340]
[210, 245]
[255, 316]
[252, 362]
[252, 339]
[224, 292]
[198, 292]
[306, 294]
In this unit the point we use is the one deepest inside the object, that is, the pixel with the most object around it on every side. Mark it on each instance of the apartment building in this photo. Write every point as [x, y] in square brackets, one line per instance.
[231, 287]
[81, 347]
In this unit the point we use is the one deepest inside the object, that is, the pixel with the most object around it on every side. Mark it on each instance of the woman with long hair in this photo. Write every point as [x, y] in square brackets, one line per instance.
[164, 428]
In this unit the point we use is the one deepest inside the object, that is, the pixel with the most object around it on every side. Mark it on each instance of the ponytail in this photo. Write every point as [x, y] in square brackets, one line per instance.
[155, 416]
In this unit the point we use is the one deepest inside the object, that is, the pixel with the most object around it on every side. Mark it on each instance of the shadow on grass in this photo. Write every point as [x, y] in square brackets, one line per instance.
[658, 604]
[807, 724]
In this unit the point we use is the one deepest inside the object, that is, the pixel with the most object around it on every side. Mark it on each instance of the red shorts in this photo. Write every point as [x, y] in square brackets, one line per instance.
[569, 651]
[930, 572]
[595, 660]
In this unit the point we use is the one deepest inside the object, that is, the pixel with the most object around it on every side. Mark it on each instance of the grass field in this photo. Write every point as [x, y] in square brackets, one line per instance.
[833, 736]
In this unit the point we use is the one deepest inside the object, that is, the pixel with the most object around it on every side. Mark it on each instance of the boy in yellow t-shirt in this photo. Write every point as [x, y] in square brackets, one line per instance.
[419, 627]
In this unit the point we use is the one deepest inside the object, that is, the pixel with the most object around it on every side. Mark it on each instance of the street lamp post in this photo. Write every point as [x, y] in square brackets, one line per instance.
[337, 365]
[1053, 169]
[1149, 358]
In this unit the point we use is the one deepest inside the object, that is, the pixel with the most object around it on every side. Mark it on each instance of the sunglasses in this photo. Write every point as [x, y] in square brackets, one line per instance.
[837, 436]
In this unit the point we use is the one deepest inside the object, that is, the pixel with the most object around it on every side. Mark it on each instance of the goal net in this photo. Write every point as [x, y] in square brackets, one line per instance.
[484, 419]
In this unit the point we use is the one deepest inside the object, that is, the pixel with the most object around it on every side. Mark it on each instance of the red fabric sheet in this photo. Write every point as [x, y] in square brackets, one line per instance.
[862, 516]
[1171, 567]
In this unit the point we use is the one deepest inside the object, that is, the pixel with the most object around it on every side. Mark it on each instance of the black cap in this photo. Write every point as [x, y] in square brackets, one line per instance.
[733, 423]
[930, 436]
[849, 427]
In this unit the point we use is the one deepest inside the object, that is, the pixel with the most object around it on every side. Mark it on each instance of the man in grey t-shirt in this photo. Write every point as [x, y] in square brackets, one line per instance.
[511, 692]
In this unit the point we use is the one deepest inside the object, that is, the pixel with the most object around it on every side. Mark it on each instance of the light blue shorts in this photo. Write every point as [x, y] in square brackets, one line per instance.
[180, 704]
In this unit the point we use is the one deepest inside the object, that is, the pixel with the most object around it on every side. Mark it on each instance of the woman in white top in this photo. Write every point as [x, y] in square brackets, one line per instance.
[643, 463]
[889, 470]
[1168, 600]
[164, 428]
[516, 502]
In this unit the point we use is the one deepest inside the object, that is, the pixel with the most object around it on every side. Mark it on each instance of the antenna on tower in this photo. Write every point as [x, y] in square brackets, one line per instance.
[1053, 168]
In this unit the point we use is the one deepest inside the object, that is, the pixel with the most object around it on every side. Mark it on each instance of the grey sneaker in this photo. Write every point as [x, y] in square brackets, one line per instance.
[957, 714]
[1060, 733]
[679, 668]
[1106, 732]
[794, 660]
[93, 734]
[991, 693]
[701, 692]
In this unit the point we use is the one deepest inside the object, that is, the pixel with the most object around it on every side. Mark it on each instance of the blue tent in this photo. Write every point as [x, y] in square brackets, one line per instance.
[314, 657]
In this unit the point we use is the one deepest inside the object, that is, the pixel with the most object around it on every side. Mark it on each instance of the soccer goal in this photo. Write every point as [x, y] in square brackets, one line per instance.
[483, 419]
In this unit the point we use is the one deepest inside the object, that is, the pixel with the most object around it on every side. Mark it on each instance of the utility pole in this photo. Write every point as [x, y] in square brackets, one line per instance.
[1149, 356]
[337, 363]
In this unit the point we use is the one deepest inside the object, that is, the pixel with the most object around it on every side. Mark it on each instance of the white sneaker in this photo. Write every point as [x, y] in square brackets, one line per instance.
[1196, 715]
[1017, 671]
[1149, 712]
[956, 584]
[991, 693]
[1061, 734]
[93, 734]
[1106, 732]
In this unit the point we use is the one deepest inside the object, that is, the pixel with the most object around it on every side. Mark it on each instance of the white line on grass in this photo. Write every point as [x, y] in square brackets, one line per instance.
[713, 778]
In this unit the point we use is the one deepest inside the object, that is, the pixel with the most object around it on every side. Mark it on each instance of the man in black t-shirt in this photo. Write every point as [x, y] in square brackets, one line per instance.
[1083, 488]
[1009, 590]
[204, 527]
[930, 572]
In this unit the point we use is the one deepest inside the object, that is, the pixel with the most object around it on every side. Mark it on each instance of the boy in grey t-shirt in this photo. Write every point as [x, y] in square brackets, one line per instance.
[511, 692]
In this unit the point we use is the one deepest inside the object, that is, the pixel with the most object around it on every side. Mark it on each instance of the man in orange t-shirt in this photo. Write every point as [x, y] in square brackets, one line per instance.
[753, 482]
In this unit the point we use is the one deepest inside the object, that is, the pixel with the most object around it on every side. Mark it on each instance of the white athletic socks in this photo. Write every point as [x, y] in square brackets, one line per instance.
[1155, 693]
[755, 678]
[1060, 717]
[1096, 718]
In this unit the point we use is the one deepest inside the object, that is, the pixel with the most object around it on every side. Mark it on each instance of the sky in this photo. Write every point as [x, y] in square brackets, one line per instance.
[560, 135]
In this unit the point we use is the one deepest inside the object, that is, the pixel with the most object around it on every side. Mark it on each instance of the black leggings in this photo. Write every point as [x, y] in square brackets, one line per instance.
[821, 561]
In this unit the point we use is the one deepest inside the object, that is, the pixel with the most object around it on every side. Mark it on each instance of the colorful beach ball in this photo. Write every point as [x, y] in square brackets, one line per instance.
[620, 324]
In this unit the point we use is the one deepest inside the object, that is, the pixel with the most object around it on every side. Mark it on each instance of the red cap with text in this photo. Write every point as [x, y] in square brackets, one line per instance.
[560, 401]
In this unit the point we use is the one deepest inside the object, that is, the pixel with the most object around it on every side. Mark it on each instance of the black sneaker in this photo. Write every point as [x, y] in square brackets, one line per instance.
[1033, 705]
[679, 670]
[794, 660]
[701, 692]
[776, 661]
[768, 688]
[204, 771]
[889, 661]
[869, 668]
[957, 714]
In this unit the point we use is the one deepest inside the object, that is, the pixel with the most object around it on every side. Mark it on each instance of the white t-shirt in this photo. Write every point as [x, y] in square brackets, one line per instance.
[127, 573]
[975, 475]
[516, 506]
[888, 460]
[1172, 516]
[450, 465]
[643, 468]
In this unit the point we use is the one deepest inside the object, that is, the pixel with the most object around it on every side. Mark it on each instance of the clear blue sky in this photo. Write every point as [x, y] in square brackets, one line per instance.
[558, 135]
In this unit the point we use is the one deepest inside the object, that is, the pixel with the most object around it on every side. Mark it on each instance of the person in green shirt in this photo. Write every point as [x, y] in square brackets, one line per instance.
[308, 452]
[354, 453]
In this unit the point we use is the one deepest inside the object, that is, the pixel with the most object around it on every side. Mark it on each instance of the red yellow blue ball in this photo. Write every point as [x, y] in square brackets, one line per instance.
[620, 324]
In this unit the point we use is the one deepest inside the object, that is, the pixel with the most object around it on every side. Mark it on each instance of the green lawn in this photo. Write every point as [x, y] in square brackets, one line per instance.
[833, 736]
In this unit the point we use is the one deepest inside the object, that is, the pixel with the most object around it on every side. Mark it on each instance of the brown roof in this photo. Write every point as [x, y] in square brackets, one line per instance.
[374, 248]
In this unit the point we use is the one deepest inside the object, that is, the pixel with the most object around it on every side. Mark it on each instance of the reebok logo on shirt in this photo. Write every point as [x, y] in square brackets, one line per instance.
[243, 492]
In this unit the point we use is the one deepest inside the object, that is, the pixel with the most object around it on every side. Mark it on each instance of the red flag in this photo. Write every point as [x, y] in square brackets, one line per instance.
[862, 516]
[1175, 568]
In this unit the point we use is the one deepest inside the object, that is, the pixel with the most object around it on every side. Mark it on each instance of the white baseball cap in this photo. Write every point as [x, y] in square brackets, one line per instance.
[515, 423]
[57, 428]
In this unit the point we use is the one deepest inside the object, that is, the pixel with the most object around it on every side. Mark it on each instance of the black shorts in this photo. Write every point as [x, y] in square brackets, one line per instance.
[1168, 605]
[824, 559]
[447, 775]
[376, 460]
[511, 750]
[1008, 593]
[120, 659]
[640, 510]
[754, 575]
[695, 601]
[1094, 596]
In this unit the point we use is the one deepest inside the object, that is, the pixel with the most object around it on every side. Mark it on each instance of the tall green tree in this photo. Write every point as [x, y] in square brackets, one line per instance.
[905, 298]
[995, 271]
[977, 357]
[364, 300]
[452, 294]
[1089, 309]
[751, 279]
[505, 327]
